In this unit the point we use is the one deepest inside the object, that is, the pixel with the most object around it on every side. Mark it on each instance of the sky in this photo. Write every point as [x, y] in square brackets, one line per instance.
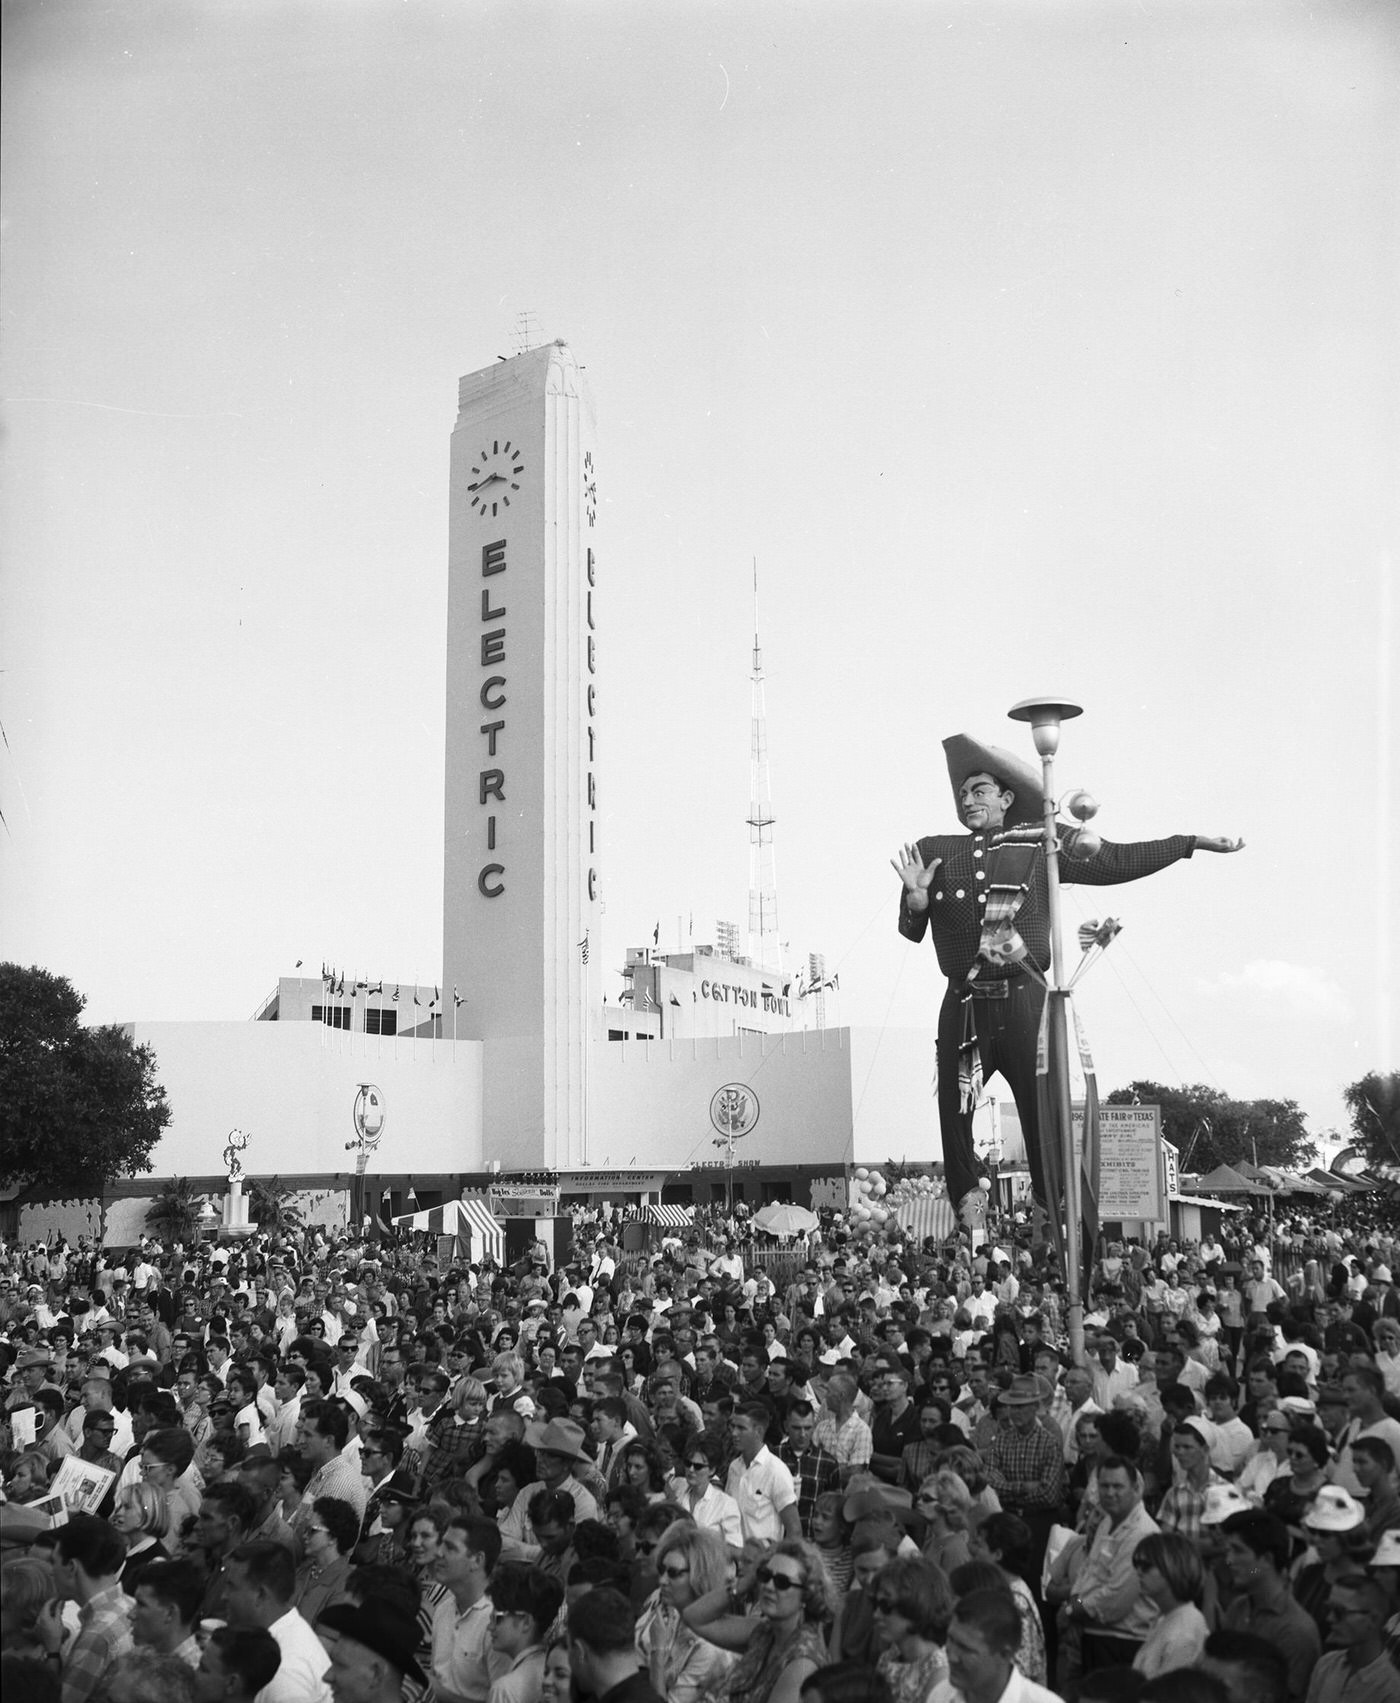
[1042, 348]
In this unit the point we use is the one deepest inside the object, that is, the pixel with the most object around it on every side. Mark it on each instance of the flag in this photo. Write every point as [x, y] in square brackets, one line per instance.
[456, 997]
[583, 950]
[341, 989]
[416, 999]
[377, 988]
[396, 990]
[656, 933]
[437, 997]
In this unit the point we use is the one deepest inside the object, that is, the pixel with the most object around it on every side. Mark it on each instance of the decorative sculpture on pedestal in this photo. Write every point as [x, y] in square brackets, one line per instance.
[235, 1222]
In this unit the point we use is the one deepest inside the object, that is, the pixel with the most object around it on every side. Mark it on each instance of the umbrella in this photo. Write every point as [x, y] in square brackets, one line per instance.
[781, 1219]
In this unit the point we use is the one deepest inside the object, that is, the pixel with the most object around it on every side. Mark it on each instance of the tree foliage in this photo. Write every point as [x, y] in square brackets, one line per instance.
[272, 1206]
[174, 1214]
[78, 1106]
[1208, 1128]
[1374, 1104]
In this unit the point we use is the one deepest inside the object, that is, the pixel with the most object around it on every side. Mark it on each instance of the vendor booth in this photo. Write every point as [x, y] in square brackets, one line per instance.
[467, 1233]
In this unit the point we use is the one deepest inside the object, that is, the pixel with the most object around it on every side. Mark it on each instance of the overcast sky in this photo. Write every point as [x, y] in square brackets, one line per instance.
[1026, 347]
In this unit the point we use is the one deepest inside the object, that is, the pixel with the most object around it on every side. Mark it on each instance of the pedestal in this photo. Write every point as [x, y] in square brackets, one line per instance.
[235, 1221]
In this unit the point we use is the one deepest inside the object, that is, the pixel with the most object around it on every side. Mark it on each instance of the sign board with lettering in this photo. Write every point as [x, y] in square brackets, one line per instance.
[616, 1182]
[1131, 1172]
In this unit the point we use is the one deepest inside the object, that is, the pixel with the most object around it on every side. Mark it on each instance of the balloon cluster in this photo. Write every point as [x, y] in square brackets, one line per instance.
[874, 1202]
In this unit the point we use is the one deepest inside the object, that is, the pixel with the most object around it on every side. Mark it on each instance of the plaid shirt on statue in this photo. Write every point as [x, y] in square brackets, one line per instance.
[104, 1633]
[956, 922]
[1026, 1470]
[814, 1472]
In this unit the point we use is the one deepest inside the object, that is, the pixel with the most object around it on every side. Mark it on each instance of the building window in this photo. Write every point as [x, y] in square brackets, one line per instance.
[333, 1016]
[381, 1020]
[718, 1194]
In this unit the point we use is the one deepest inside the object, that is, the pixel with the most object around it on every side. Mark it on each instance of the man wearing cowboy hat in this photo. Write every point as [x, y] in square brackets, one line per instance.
[558, 1446]
[1024, 1460]
[983, 897]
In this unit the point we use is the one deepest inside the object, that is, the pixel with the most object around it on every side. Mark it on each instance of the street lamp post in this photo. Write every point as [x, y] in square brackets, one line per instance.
[1045, 716]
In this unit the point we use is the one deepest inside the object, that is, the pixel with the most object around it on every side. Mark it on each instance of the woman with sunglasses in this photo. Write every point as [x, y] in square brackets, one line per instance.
[1271, 1460]
[782, 1641]
[1291, 1494]
[681, 1664]
[913, 1604]
[696, 1491]
[945, 1501]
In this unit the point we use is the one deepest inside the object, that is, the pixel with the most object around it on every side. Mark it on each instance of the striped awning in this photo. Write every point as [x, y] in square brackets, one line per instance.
[468, 1217]
[669, 1217]
[927, 1215]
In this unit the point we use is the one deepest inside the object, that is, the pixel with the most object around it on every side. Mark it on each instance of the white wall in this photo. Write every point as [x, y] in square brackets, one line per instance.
[291, 1088]
[651, 1100]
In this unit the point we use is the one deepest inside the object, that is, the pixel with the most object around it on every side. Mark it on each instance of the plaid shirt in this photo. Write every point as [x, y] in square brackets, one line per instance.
[953, 914]
[814, 1472]
[451, 1448]
[1026, 1470]
[849, 1446]
[1182, 1507]
[104, 1633]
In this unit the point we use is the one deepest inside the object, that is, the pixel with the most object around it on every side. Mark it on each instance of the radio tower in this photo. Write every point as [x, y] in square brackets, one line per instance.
[765, 949]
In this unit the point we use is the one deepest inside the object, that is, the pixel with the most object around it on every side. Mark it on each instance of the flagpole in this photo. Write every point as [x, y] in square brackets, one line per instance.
[1045, 719]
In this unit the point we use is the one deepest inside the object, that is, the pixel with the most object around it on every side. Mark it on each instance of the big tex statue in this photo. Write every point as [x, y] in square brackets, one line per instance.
[983, 898]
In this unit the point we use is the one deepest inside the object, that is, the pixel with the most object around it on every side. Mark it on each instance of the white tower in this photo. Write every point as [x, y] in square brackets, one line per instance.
[765, 949]
[521, 895]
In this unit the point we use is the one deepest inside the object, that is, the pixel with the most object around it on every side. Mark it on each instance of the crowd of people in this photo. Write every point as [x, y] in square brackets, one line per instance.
[298, 1467]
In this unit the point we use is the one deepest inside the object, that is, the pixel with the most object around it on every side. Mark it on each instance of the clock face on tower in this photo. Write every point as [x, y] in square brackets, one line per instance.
[590, 489]
[495, 475]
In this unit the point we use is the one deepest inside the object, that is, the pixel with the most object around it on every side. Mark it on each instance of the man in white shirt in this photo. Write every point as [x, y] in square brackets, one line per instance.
[465, 1662]
[260, 1588]
[981, 1647]
[1112, 1376]
[758, 1480]
[728, 1267]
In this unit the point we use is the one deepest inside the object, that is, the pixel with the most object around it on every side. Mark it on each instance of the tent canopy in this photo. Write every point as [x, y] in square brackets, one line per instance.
[468, 1218]
[1224, 1179]
[669, 1217]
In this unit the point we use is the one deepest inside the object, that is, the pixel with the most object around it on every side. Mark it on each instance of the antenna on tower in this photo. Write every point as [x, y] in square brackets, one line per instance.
[765, 948]
[527, 332]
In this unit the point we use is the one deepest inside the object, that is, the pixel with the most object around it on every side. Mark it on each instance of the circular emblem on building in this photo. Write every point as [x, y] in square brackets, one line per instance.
[734, 1109]
[368, 1116]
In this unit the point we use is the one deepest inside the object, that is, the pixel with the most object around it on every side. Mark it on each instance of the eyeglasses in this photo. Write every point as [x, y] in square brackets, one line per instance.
[674, 1572]
[927, 1496]
[885, 1605]
[697, 1466]
[779, 1581]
